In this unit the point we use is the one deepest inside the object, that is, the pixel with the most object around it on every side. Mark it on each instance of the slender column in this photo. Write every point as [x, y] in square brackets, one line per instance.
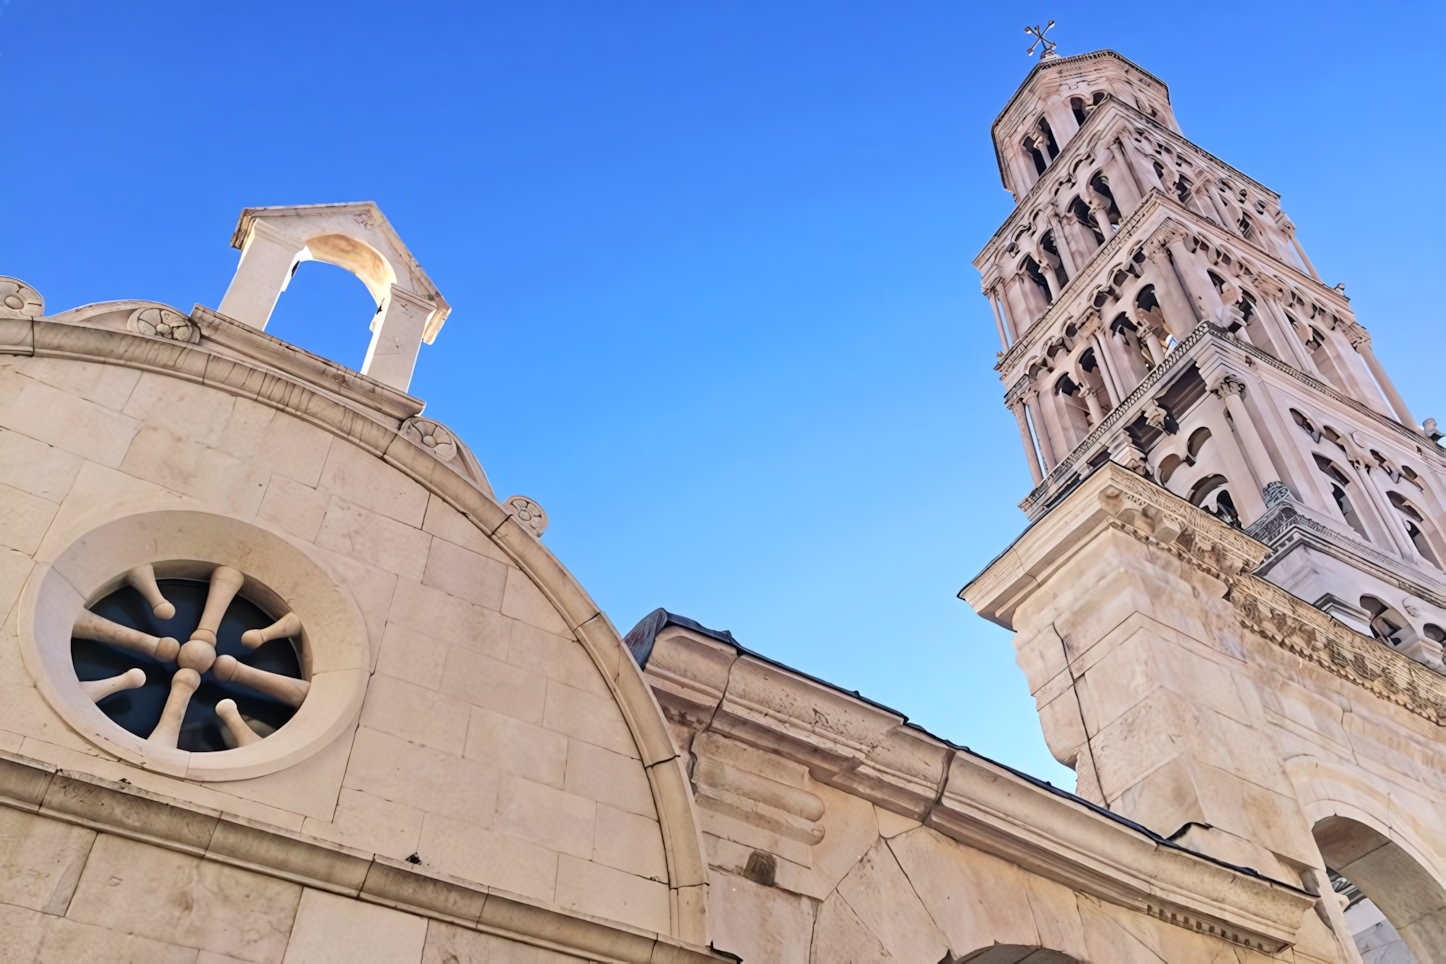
[1066, 255]
[1122, 186]
[1289, 229]
[1203, 297]
[1059, 439]
[1027, 438]
[1106, 361]
[1041, 432]
[1126, 157]
[1050, 435]
[1016, 304]
[1232, 390]
[1146, 326]
[1002, 300]
[1233, 462]
[1092, 402]
[1388, 388]
[1390, 520]
[998, 321]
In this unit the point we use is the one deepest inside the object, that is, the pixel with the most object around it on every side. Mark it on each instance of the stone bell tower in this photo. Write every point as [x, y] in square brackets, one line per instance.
[1236, 556]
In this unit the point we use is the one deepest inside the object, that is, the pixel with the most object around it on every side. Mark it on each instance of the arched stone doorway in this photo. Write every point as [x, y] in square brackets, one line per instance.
[1411, 900]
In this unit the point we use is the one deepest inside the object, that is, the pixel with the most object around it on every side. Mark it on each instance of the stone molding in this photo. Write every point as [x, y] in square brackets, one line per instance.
[708, 686]
[126, 811]
[242, 361]
[1115, 497]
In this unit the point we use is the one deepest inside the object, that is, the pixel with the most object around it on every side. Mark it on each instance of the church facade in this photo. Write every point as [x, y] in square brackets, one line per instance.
[282, 678]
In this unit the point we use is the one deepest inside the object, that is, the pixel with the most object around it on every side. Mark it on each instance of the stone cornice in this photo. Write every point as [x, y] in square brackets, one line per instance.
[1285, 528]
[127, 811]
[1114, 497]
[874, 753]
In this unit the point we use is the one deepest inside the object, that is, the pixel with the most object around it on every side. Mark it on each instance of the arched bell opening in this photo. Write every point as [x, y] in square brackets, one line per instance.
[1389, 898]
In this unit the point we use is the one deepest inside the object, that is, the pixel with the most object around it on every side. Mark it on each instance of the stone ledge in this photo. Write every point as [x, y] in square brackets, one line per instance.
[127, 811]
[874, 753]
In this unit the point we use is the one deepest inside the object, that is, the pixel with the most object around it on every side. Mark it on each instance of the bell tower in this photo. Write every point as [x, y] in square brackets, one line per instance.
[1157, 310]
[1230, 604]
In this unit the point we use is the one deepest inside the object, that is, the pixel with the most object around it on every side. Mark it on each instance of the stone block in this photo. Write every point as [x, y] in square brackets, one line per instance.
[194, 412]
[374, 539]
[880, 894]
[760, 923]
[136, 888]
[40, 860]
[1056, 916]
[611, 778]
[630, 843]
[412, 656]
[68, 941]
[21, 931]
[841, 936]
[338, 930]
[449, 944]
[523, 600]
[591, 888]
[293, 507]
[465, 574]
[364, 479]
[487, 857]
[446, 617]
[428, 780]
[416, 713]
[292, 855]
[23, 519]
[447, 523]
[111, 805]
[15, 568]
[182, 465]
[997, 909]
[556, 657]
[521, 748]
[494, 685]
[35, 467]
[587, 717]
[293, 448]
[368, 822]
[107, 385]
[546, 816]
[399, 883]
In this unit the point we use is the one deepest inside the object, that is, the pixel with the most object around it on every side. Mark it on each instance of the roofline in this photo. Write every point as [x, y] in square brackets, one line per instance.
[642, 636]
[1049, 65]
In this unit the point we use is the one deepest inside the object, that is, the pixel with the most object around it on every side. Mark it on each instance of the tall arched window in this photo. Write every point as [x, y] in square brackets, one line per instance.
[1081, 212]
[1416, 525]
[1306, 425]
[1211, 495]
[1339, 483]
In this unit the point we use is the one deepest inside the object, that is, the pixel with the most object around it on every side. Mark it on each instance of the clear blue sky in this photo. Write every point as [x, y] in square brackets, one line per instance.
[709, 261]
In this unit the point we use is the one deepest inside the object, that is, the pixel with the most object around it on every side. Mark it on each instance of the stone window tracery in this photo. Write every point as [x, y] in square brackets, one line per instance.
[1339, 482]
[1416, 527]
[237, 678]
[1387, 625]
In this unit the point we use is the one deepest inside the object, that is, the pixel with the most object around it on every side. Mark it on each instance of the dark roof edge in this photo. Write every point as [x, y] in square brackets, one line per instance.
[640, 640]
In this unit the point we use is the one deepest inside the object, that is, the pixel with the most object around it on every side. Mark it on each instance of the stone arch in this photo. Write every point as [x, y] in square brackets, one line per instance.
[1348, 813]
[357, 238]
[1014, 954]
[1410, 896]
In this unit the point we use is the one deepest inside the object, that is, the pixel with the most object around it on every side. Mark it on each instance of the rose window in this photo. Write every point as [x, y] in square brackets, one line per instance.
[189, 664]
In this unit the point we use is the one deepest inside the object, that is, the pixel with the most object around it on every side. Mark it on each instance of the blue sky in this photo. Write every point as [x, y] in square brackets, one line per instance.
[709, 263]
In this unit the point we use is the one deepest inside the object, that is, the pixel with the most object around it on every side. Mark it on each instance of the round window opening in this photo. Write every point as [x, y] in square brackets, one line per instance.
[189, 663]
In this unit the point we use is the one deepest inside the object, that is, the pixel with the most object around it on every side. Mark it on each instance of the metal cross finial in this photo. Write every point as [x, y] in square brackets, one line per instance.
[1045, 45]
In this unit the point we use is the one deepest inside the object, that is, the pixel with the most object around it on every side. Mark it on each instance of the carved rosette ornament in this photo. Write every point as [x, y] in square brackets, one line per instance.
[157, 321]
[18, 300]
[528, 514]
[432, 436]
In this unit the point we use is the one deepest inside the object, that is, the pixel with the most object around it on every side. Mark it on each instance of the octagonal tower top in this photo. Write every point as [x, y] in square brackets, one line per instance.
[1055, 100]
